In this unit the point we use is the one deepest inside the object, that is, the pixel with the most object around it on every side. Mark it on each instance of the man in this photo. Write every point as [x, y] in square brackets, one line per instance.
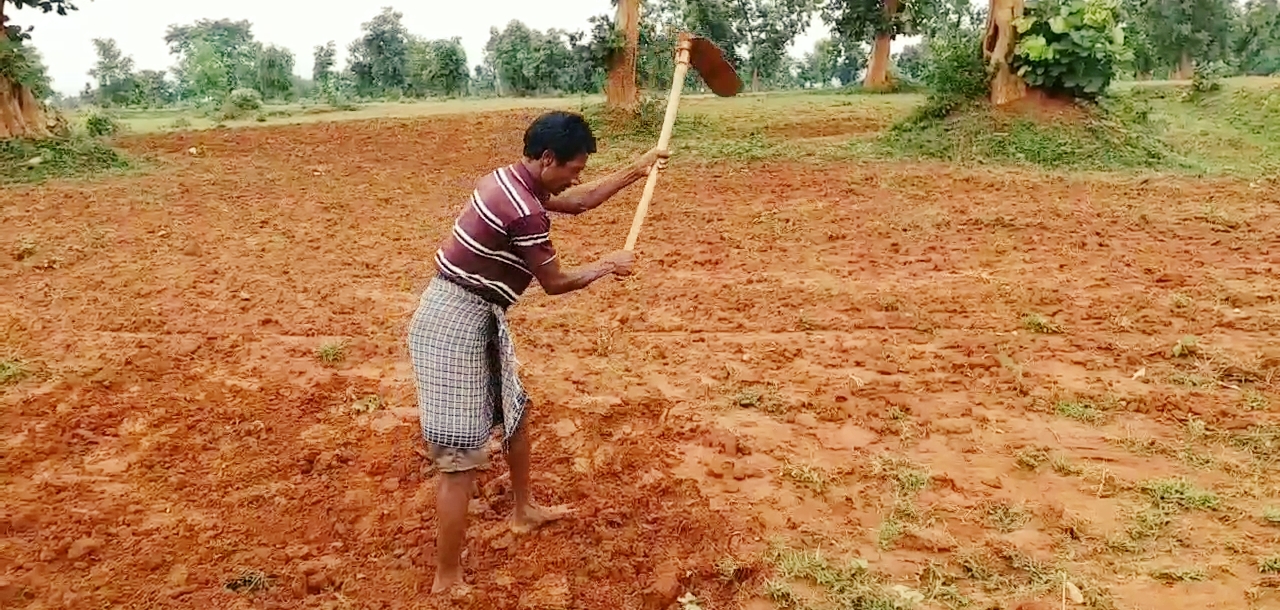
[462, 353]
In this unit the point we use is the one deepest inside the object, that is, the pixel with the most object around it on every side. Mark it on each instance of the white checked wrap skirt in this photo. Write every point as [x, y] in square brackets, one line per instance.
[465, 367]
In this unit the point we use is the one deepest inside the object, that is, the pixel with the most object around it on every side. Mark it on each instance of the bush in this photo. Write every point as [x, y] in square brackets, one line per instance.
[1207, 77]
[954, 72]
[245, 100]
[1070, 46]
[38, 160]
[100, 124]
[239, 104]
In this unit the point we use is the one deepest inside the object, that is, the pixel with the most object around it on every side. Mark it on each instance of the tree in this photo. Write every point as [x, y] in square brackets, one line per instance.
[203, 74]
[998, 45]
[832, 60]
[325, 59]
[273, 72]
[113, 72]
[525, 61]
[152, 89]
[380, 58]
[621, 91]
[24, 82]
[437, 67]
[1182, 32]
[1257, 40]
[590, 54]
[881, 21]
[222, 54]
[768, 27]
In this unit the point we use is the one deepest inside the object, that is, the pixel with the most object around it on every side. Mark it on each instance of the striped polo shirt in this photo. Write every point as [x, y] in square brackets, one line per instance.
[502, 234]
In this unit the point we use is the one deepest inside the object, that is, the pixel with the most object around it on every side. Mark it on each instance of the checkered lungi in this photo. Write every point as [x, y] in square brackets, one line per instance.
[465, 366]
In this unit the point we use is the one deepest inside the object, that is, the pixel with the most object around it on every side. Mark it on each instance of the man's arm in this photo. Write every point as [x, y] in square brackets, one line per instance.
[589, 196]
[531, 240]
[555, 280]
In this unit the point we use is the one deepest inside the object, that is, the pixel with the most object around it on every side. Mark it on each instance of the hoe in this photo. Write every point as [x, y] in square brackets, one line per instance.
[720, 77]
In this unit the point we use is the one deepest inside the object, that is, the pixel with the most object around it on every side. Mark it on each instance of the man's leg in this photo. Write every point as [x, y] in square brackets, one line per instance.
[527, 516]
[457, 485]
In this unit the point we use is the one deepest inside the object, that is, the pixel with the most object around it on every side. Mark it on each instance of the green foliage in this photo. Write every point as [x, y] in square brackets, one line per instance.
[767, 28]
[215, 57]
[22, 63]
[114, 73]
[17, 33]
[954, 72]
[833, 59]
[273, 72]
[1208, 76]
[525, 61]
[239, 104]
[379, 61]
[912, 62]
[58, 158]
[100, 124]
[1183, 31]
[1256, 44]
[437, 67]
[325, 60]
[1070, 46]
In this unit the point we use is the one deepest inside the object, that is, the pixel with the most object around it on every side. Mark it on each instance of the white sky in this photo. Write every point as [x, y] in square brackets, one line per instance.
[139, 27]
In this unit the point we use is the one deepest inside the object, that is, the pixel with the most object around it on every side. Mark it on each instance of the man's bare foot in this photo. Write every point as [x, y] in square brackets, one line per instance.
[453, 585]
[533, 517]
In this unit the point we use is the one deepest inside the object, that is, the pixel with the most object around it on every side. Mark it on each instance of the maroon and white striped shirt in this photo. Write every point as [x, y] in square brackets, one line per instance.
[502, 234]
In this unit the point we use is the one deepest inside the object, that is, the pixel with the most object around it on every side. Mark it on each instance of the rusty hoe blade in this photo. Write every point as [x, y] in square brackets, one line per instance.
[709, 61]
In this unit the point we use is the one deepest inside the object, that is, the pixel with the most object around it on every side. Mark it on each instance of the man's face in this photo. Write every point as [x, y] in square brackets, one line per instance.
[557, 177]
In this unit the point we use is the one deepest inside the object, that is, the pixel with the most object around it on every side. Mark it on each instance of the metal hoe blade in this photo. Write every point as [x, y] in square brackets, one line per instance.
[709, 61]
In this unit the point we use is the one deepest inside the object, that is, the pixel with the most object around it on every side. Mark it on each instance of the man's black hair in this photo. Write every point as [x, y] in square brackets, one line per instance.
[565, 134]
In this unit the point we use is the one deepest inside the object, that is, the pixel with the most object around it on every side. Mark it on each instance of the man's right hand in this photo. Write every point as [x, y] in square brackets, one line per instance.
[620, 263]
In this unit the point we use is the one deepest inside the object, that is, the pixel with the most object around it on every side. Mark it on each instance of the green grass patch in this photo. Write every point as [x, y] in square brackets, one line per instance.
[1235, 130]
[1180, 493]
[332, 352]
[1100, 140]
[1079, 410]
[12, 371]
[26, 161]
[1175, 575]
[1041, 324]
[1271, 515]
[850, 584]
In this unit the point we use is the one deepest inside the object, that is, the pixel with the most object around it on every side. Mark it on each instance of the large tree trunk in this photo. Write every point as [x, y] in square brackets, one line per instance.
[21, 115]
[1186, 68]
[620, 91]
[997, 48]
[878, 69]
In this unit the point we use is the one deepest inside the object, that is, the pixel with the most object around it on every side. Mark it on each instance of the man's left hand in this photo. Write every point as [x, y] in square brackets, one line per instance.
[655, 155]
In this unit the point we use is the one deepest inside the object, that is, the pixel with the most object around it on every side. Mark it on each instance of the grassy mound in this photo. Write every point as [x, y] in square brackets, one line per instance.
[1109, 137]
[38, 160]
[1234, 129]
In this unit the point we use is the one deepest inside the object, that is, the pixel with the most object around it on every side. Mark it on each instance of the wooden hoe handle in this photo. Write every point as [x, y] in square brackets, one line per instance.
[673, 102]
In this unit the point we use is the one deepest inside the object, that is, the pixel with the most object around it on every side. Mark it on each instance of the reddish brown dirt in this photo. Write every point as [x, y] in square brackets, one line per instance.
[178, 429]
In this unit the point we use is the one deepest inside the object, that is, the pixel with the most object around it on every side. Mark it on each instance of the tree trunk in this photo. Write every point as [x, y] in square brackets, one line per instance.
[21, 115]
[755, 80]
[621, 92]
[1186, 68]
[1006, 86]
[878, 69]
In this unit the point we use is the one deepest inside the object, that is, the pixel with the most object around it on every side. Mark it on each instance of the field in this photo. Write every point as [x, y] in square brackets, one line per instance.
[839, 379]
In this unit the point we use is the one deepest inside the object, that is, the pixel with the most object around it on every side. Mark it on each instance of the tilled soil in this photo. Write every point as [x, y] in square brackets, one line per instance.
[799, 339]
